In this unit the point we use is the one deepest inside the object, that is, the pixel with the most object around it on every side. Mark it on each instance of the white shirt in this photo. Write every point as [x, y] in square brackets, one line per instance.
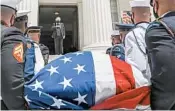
[133, 55]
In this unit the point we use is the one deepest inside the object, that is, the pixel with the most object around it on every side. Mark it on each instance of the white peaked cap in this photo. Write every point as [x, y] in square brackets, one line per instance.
[10, 3]
[21, 13]
[115, 32]
[140, 3]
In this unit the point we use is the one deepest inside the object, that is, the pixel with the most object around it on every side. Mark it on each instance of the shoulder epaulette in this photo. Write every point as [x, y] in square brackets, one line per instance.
[153, 24]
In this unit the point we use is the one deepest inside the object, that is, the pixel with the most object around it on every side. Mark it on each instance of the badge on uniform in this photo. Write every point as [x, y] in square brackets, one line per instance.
[18, 52]
[29, 45]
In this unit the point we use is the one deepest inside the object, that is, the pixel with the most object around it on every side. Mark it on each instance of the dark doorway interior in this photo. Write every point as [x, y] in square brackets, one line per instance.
[69, 17]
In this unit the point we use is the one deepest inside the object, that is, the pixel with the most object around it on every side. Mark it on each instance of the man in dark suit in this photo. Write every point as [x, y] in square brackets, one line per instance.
[58, 35]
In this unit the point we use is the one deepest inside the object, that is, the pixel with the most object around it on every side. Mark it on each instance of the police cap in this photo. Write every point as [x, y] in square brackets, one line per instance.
[33, 29]
[115, 33]
[22, 15]
[125, 27]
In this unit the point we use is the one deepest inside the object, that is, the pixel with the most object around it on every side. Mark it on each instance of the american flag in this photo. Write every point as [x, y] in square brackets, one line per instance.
[126, 17]
[87, 80]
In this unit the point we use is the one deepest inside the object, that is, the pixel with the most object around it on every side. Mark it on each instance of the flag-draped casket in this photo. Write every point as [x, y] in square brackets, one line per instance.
[87, 80]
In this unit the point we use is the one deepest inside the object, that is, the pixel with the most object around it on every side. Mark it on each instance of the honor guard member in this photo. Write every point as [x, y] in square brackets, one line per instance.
[160, 40]
[31, 66]
[13, 48]
[34, 32]
[124, 29]
[21, 20]
[135, 46]
[21, 23]
[117, 48]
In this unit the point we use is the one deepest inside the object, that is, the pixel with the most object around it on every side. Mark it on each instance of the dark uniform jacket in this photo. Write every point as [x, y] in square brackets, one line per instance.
[161, 51]
[45, 52]
[117, 51]
[13, 46]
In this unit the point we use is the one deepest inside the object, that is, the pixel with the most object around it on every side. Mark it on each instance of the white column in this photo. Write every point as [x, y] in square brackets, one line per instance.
[97, 24]
[25, 5]
[80, 25]
[30, 5]
[34, 12]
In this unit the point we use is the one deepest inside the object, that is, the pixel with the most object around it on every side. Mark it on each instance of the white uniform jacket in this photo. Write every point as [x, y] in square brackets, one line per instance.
[135, 49]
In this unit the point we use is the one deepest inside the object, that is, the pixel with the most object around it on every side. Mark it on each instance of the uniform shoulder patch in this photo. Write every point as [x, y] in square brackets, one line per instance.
[18, 52]
[153, 25]
[29, 45]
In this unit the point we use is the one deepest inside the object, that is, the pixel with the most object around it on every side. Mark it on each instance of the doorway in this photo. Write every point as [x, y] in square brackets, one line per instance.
[69, 16]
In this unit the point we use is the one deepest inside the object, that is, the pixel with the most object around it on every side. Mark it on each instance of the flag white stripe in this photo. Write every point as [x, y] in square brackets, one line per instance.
[104, 75]
[138, 107]
[143, 107]
[140, 80]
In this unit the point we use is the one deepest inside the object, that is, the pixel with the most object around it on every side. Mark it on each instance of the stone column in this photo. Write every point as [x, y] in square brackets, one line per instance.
[33, 6]
[34, 12]
[97, 24]
[80, 25]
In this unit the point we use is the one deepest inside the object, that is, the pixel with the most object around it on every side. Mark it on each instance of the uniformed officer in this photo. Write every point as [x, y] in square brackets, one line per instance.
[34, 33]
[135, 46]
[124, 29]
[41, 51]
[58, 35]
[160, 40]
[13, 47]
[21, 20]
[117, 48]
[116, 38]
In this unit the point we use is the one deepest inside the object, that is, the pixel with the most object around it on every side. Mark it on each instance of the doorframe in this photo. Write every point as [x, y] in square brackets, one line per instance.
[75, 35]
[69, 3]
[58, 2]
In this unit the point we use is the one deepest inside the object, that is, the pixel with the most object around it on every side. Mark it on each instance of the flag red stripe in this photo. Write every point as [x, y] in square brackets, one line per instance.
[123, 75]
[128, 100]
[146, 100]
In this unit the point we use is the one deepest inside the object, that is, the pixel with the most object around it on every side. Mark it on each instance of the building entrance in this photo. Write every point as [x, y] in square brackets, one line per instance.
[69, 16]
